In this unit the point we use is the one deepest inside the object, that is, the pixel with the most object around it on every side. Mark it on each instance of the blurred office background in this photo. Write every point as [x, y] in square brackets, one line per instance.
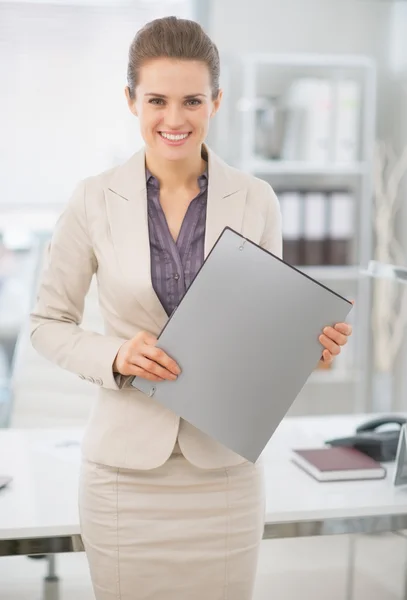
[315, 102]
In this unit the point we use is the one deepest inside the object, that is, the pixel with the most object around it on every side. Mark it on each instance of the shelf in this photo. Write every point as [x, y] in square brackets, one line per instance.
[268, 75]
[332, 273]
[276, 167]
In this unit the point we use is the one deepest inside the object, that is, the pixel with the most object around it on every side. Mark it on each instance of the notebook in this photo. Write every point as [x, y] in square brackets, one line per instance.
[245, 336]
[338, 464]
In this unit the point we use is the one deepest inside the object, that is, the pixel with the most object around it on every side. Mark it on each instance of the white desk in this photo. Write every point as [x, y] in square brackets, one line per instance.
[39, 515]
[38, 511]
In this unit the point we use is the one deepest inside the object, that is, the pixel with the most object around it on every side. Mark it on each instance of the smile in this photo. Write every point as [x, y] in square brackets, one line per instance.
[172, 137]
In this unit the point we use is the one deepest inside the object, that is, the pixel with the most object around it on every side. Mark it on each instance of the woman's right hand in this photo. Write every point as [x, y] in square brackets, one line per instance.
[140, 357]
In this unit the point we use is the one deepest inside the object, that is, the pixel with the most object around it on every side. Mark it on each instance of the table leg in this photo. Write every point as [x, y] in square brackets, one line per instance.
[350, 580]
[51, 581]
[403, 534]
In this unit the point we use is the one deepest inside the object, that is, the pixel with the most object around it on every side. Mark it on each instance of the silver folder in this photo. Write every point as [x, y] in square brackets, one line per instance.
[245, 336]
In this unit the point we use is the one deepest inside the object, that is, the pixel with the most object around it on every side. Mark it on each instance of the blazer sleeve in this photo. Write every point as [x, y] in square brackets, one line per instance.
[70, 264]
[272, 238]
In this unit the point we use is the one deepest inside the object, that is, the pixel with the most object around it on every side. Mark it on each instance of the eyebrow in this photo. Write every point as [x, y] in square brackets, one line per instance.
[164, 96]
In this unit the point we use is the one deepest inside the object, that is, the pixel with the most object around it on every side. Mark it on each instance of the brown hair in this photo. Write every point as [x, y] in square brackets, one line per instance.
[171, 37]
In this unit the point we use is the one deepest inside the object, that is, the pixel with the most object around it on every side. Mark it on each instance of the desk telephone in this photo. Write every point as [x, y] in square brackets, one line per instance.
[369, 438]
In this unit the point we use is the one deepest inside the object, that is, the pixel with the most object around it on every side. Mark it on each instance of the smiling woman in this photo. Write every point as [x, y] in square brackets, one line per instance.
[173, 87]
[167, 513]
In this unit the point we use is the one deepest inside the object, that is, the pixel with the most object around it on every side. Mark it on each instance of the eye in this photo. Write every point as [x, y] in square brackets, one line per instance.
[156, 101]
[194, 102]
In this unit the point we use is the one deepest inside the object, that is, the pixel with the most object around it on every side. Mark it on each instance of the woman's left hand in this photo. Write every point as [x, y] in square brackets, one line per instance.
[332, 339]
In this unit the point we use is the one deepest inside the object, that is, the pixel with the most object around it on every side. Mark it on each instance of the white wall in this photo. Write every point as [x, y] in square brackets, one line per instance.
[63, 114]
[300, 25]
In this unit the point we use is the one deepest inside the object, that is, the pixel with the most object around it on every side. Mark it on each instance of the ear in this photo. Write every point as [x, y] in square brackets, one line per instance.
[216, 103]
[131, 102]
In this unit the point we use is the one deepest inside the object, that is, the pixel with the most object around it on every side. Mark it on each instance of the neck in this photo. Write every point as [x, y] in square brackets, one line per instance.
[173, 174]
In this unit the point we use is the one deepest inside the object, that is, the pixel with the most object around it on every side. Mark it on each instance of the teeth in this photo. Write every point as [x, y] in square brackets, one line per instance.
[174, 138]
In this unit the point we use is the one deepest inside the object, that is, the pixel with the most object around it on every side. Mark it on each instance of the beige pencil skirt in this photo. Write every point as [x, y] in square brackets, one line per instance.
[172, 533]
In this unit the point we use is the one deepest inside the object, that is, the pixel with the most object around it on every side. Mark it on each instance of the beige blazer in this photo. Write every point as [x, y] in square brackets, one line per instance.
[104, 232]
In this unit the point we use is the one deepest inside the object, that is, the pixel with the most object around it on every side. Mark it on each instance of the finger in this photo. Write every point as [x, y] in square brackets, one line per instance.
[344, 328]
[327, 357]
[154, 368]
[336, 336]
[139, 372]
[160, 357]
[136, 370]
[330, 345]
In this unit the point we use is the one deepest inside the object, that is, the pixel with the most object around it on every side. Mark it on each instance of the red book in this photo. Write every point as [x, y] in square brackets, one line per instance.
[338, 464]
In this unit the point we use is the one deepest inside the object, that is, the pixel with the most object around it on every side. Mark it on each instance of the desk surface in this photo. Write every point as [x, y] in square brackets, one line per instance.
[42, 500]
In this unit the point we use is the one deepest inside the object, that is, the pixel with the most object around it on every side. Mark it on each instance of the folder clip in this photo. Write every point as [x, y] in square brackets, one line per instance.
[241, 247]
[152, 392]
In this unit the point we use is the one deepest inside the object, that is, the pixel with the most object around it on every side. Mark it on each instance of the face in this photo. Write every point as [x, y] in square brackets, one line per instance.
[173, 102]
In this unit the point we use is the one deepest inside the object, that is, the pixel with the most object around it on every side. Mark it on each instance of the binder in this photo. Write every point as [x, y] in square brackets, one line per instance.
[315, 228]
[308, 132]
[245, 335]
[347, 121]
[291, 215]
[341, 228]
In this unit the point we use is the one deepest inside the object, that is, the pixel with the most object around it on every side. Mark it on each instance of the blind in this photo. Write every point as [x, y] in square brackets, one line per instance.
[63, 113]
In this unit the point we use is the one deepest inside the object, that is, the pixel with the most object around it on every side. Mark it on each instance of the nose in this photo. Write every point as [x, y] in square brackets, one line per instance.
[174, 118]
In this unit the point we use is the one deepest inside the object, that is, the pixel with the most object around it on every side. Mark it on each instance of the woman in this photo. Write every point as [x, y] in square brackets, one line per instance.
[166, 512]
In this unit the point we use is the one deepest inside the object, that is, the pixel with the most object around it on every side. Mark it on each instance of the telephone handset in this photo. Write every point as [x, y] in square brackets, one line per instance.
[380, 421]
[369, 438]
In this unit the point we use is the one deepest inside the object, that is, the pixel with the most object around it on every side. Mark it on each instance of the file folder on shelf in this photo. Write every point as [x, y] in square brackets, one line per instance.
[245, 335]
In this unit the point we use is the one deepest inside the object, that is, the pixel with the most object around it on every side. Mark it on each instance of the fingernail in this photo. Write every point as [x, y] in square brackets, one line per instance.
[325, 330]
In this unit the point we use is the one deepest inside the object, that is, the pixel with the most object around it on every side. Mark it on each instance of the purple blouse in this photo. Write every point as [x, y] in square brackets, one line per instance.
[174, 265]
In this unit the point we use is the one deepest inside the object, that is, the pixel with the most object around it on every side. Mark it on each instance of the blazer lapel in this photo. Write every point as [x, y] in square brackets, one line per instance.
[226, 200]
[128, 218]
